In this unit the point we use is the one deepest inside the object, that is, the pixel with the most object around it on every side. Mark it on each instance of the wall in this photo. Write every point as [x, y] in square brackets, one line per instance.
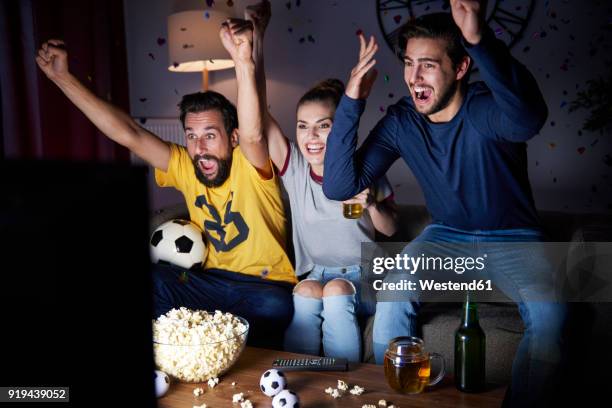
[564, 46]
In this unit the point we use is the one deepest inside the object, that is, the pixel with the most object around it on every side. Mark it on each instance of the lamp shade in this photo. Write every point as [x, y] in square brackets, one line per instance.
[193, 41]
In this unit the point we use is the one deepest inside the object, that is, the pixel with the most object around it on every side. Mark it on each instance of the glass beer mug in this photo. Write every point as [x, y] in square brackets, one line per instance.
[352, 211]
[408, 365]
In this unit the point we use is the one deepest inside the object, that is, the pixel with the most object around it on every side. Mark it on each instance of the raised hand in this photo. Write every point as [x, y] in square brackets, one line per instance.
[365, 198]
[362, 76]
[469, 17]
[237, 38]
[52, 59]
[259, 14]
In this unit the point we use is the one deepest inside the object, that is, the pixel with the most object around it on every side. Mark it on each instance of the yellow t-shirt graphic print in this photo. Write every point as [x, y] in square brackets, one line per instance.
[243, 219]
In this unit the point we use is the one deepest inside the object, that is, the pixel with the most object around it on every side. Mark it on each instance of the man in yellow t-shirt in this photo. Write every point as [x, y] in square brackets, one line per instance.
[232, 193]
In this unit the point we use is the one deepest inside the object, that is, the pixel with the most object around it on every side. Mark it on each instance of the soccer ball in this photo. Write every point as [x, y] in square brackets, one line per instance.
[272, 382]
[162, 383]
[179, 242]
[286, 399]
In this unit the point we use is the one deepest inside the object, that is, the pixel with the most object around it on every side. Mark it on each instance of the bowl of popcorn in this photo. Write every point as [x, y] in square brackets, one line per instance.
[195, 346]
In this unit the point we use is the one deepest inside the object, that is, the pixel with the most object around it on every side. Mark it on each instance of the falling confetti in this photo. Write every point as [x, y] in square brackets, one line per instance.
[185, 46]
[563, 67]
[290, 29]
[142, 99]
[607, 160]
[391, 95]
[161, 41]
[382, 108]
[397, 19]
[552, 123]
[359, 32]
[537, 163]
[554, 179]
[580, 150]
[176, 92]
[89, 78]
[563, 103]
[552, 145]
[175, 64]
[297, 3]
[288, 4]
[594, 142]
[302, 40]
[526, 49]
[499, 31]
[183, 29]
[152, 56]
[311, 39]
[142, 121]
[386, 78]
[206, 15]
[210, 3]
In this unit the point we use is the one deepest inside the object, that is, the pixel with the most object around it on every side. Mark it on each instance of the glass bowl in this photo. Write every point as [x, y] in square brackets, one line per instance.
[195, 363]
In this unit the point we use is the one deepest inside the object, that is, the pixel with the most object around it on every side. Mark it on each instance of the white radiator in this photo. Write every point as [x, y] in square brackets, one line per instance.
[168, 129]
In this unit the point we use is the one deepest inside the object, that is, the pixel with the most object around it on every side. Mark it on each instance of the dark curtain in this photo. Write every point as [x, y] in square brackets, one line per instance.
[38, 120]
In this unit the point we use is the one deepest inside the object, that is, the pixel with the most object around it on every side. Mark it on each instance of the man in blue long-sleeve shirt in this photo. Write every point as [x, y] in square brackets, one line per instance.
[466, 146]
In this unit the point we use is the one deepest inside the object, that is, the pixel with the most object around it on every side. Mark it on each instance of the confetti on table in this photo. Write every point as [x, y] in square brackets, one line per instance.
[580, 150]
[161, 41]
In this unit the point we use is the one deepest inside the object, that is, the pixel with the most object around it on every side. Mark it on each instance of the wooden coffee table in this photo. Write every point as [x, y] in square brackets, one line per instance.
[310, 386]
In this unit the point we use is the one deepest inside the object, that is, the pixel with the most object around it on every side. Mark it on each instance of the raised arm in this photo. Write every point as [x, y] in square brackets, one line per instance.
[348, 172]
[115, 124]
[237, 38]
[259, 14]
[519, 111]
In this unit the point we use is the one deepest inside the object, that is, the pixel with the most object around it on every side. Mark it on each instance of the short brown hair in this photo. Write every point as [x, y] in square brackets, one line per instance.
[210, 100]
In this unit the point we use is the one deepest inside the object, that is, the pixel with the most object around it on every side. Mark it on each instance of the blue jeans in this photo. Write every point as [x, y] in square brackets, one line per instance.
[267, 305]
[332, 320]
[514, 273]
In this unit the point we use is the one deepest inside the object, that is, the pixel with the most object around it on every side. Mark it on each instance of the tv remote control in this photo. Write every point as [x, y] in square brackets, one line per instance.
[311, 364]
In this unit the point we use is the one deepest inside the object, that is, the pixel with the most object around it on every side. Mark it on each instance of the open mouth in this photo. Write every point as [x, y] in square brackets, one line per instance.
[208, 166]
[315, 148]
[422, 94]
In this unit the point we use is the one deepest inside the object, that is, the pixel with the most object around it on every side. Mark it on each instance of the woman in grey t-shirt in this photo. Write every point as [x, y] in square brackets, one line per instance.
[327, 245]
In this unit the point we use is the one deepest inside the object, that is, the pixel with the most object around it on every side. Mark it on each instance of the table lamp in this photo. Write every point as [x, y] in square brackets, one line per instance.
[194, 44]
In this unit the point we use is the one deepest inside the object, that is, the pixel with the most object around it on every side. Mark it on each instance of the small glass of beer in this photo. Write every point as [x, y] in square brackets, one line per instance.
[352, 211]
[408, 365]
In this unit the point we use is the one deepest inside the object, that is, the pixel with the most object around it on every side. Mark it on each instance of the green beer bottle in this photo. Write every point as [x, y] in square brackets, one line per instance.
[470, 351]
